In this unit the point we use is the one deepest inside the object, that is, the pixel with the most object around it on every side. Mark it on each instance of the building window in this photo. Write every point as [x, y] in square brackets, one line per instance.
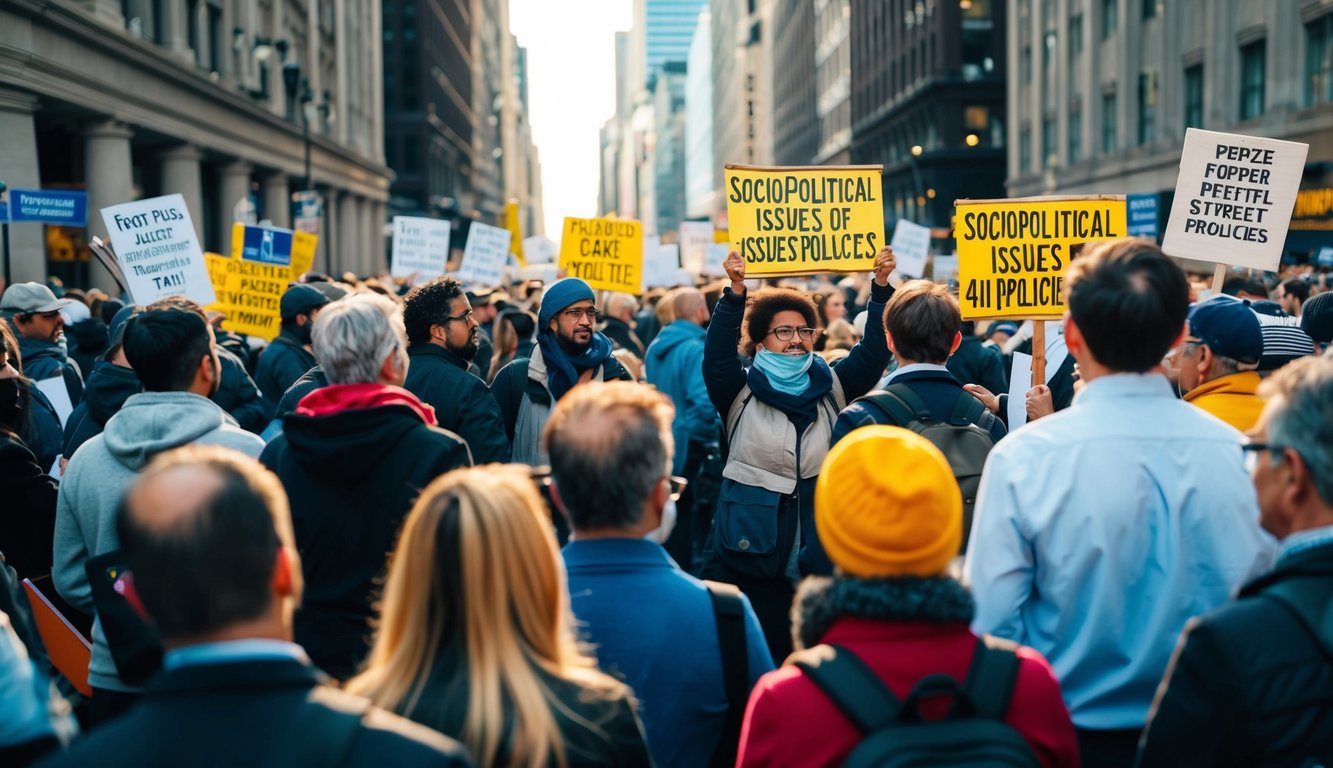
[1252, 80]
[1075, 37]
[1110, 17]
[1108, 123]
[192, 29]
[1025, 64]
[1194, 96]
[1319, 61]
[1025, 150]
[1147, 106]
[1048, 52]
[1048, 142]
[1149, 9]
[1075, 136]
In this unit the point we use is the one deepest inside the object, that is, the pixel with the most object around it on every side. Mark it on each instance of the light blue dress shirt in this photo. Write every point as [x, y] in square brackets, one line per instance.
[1102, 529]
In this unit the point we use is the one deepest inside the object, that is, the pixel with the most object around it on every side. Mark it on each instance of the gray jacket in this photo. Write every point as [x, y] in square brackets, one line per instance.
[98, 475]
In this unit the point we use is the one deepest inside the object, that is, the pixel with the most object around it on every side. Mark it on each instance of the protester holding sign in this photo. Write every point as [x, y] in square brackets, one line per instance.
[778, 415]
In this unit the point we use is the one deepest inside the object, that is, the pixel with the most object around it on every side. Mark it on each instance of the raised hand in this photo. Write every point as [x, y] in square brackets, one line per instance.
[884, 264]
[735, 268]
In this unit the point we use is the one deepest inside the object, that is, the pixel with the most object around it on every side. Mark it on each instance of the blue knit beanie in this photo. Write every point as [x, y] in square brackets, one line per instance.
[560, 295]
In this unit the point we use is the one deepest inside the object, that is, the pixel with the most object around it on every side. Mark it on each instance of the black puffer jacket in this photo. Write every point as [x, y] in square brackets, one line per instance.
[1252, 682]
[27, 509]
[461, 401]
[238, 394]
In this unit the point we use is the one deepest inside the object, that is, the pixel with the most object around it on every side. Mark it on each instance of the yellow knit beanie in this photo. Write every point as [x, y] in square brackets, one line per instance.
[887, 504]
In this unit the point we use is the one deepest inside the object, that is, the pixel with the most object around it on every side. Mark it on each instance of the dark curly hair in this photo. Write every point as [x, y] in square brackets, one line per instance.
[428, 305]
[764, 305]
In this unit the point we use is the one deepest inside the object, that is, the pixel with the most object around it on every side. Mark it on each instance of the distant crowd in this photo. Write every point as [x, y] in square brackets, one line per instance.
[754, 523]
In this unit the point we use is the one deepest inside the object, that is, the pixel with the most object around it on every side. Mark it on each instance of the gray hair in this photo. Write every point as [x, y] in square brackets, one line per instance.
[1302, 418]
[618, 303]
[352, 338]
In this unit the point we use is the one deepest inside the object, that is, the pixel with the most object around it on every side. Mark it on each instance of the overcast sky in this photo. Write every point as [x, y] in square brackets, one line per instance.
[572, 91]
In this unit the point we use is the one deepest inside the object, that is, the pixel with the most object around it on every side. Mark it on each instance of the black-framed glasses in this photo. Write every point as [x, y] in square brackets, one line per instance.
[678, 484]
[785, 332]
[1251, 451]
[577, 313]
[466, 316]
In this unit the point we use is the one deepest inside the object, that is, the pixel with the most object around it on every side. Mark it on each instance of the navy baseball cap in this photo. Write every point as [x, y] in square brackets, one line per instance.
[1229, 328]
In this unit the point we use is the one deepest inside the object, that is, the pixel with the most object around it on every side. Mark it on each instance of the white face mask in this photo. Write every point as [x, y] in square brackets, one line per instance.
[663, 530]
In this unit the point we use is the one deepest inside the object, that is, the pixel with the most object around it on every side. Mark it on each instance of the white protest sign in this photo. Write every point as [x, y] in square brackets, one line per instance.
[539, 249]
[485, 255]
[911, 247]
[1056, 351]
[55, 390]
[695, 237]
[946, 267]
[660, 268]
[1234, 198]
[420, 246]
[1020, 381]
[155, 244]
[714, 256]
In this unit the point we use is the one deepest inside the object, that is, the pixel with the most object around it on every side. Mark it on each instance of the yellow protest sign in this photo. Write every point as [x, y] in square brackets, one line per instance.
[1012, 254]
[249, 284]
[515, 228]
[607, 254]
[793, 221]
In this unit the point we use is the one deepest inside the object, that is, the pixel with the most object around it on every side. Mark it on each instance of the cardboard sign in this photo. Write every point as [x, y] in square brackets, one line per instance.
[793, 221]
[155, 243]
[420, 246]
[607, 254]
[945, 268]
[485, 255]
[911, 248]
[539, 249]
[250, 283]
[661, 269]
[515, 227]
[1234, 199]
[1012, 254]
[695, 237]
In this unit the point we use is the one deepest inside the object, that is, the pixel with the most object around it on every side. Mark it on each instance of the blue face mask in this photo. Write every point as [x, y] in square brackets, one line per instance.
[788, 374]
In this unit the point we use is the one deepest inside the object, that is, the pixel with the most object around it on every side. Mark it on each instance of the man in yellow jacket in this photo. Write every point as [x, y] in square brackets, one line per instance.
[1218, 359]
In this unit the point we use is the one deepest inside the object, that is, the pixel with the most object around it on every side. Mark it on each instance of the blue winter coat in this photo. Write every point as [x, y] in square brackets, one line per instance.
[674, 364]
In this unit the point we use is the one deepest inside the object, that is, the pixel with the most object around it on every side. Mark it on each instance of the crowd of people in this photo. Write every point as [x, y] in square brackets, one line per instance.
[795, 523]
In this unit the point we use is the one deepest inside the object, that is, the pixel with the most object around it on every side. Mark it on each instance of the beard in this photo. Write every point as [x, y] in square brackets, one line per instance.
[571, 345]
[467, 350]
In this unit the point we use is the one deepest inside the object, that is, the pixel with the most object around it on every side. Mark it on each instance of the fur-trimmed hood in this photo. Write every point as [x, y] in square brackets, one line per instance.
[822, 600]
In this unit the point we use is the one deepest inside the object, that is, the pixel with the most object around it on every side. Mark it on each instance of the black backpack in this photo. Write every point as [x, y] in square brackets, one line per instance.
[973, 733]
[964, 438]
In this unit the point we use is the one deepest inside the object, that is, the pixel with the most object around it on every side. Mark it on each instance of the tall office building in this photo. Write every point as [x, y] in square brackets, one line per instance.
[136, 99]
[1103, 91]
[928, 102]
[795, 92]
[833, 80]
[663, 30]
[699, 172]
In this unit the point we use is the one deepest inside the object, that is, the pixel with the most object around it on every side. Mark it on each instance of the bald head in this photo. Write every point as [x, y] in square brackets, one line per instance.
[202, 529]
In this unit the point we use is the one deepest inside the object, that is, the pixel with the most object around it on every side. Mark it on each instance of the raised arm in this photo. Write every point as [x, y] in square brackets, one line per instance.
[724, 375]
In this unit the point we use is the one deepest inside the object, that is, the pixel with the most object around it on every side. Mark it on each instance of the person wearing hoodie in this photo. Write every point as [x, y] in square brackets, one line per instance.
[33, 312]
[674, 365]
[175, 357]
[109, 384]
[353, 458]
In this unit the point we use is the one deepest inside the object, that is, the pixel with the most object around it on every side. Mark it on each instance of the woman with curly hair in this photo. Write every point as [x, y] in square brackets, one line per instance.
[476, 638]
[778, 415]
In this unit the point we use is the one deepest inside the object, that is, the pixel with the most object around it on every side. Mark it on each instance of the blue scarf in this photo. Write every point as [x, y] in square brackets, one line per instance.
[802, 408]
[562, 370]
[788, 374]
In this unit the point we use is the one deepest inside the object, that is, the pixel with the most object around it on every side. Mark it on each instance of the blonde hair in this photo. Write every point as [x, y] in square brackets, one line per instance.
[477, 567]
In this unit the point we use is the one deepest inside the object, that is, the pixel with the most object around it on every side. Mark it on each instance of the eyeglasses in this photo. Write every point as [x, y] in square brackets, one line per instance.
[677, 486]
[466, 316]
[1252, 450]
[785, 332]
[578, 313]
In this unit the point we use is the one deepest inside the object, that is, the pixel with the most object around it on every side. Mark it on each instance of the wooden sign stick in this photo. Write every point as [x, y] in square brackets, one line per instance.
[1038, 352]
[1219, 276]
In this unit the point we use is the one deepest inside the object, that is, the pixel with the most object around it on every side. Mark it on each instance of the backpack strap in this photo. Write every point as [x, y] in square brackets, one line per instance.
[518, 386]
[991, 677]
[891, 404]
[967, 410]
[729, 611]
[851, 685]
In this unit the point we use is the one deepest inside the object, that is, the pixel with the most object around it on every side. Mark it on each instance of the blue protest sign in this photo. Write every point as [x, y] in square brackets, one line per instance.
[269, 246]
[1142, 215]
[50, 206]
